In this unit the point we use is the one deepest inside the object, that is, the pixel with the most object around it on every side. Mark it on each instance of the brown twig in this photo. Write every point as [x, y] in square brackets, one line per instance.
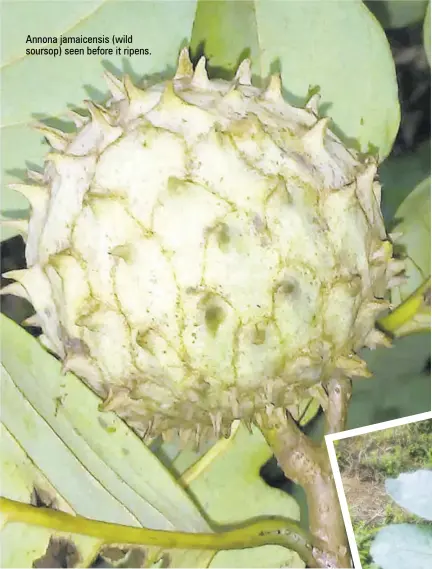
[306, 463]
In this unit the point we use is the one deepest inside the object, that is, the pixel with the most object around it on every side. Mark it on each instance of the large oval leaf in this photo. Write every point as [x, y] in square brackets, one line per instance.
[348, 57]
[400, 546]
[413, 491]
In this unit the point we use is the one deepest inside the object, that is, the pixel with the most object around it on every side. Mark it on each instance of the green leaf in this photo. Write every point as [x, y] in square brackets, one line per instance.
[59, 83]
[412, 491]
[400, 546]
[400, 385]
[260, 557]
[95, 463]
[226, 32]
[413, 221]
[397, 13]
[21, 544]
[63, 15]
[399, 175]
[427, 33]
[348, 58]
[227, 483]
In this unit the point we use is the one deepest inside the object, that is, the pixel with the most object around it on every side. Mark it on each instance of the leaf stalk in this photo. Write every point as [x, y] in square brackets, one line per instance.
[271, 530]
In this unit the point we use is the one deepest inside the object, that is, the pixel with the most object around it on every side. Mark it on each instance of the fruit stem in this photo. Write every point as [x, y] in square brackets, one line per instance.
[306, 463]
[271, 530]
[339, 394]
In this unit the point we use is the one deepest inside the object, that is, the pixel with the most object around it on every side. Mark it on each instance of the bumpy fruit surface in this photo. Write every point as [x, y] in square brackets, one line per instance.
[201, 251]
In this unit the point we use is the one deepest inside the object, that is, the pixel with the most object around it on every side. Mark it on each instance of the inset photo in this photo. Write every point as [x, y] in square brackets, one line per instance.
[383, 476]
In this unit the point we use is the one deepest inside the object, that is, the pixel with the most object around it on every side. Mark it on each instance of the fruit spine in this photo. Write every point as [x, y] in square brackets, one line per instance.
[202, 251]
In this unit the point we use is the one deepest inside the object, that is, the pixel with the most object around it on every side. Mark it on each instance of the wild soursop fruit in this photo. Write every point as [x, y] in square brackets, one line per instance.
[200, 251]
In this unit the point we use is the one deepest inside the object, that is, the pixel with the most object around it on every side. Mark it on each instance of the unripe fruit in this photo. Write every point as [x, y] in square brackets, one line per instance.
[201, 251]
